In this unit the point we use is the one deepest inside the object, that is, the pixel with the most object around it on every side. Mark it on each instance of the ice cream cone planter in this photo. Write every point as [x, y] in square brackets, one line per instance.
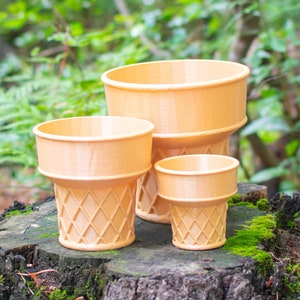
[195, 106]
[94, 163]
[197, 188]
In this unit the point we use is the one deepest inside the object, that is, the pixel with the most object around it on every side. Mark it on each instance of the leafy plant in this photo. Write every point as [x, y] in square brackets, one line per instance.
[273, 107]
[58, 50]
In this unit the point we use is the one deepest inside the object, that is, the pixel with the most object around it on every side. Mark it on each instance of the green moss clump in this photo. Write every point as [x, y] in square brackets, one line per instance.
[263, 204]
[46, 235]
[248, 204]
[246, 241]
[59, 294]
[234, 199]
[27, 210]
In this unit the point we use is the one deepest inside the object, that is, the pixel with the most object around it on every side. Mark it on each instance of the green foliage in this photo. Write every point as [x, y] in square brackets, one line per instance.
[40, 98]
[273, 102]
[246, 241]
[61, 48]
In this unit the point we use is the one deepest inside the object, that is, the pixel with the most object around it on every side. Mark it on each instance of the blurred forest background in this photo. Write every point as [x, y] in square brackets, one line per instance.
[53, 53]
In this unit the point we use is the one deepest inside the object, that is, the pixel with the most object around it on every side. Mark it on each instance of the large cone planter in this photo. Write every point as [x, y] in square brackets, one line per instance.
[197, 188]
[94, 163]
[195, 106]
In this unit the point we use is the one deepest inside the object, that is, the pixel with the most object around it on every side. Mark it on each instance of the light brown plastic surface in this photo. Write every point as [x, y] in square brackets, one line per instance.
[197, 188]
[94, 163]
[179, 96]
[194, 104]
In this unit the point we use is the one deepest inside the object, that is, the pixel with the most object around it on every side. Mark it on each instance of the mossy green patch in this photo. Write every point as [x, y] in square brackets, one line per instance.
[46, 235]
[263, 204]
[15, 212]
[234, 199]
[59, 294]
[248, 204]
[246, 241]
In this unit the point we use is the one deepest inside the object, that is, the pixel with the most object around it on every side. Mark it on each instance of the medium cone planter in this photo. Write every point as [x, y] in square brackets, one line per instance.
[94, 163]
[197, 188]
[195, 106]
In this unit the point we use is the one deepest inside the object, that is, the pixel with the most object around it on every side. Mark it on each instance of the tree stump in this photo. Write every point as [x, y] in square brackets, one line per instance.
[34, 265]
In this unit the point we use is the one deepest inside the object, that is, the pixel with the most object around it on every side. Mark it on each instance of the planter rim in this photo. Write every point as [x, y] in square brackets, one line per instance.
[94, 178]
[245, 71]
[75, 138]
[202, 133]
[234, 164]
[197, 200]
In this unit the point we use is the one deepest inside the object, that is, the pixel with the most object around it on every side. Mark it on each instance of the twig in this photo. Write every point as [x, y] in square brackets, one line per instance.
[24, 280]
[254, 92]
[51, 51]
[276, 258]
[38, 272]
[278, 246]
[33, 276]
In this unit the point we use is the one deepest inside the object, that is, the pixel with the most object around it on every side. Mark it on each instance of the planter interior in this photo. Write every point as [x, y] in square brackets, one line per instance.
[94, 163]
[197, 188]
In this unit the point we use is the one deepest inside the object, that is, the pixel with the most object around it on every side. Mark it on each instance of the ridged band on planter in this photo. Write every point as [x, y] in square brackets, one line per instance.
[94, 163]
[96, 218]
[184, 99]
[199, 228]
[197, 188]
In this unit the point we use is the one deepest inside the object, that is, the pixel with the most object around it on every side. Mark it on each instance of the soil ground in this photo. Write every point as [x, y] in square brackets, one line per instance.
[12, 187]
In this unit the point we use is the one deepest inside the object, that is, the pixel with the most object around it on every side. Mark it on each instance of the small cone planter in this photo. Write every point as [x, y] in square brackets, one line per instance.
[94, 163]
[197, 188]
[195, 106]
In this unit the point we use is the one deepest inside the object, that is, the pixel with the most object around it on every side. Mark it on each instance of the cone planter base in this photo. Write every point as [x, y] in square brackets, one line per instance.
[95, 166]
[199, 227]
[97, 218]
[197, 188]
